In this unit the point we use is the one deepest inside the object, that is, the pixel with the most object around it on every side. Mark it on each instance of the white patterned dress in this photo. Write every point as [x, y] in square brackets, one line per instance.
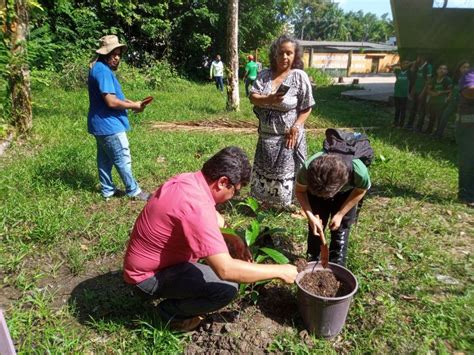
[275, 166]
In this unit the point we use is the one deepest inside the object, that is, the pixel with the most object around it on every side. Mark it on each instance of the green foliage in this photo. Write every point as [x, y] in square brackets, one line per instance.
[178, 32]
[157, 74]
[319, 77]
[324, 20]
[254, 233]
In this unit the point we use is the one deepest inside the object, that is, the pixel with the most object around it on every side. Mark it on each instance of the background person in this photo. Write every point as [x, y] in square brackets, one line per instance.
[465, 138]
[217, 72]
[107, 120]
[251, 71]
[439, 88]
[180, 225]
[422, 72]
[453, 98]
[281, 146]
[401, 90]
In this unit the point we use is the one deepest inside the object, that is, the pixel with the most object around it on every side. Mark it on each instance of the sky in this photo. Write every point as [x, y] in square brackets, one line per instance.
[378, 7]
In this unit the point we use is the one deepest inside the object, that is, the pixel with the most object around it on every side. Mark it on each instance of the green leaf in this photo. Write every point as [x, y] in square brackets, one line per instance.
[230, 231]
[259, 259]
[252, 232]
[273, 231]
[251, 203]
[275, 255]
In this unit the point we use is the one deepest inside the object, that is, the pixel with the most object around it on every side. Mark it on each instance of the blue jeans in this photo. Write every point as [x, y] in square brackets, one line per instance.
[219, 83]
[114, 150]
[189, 289]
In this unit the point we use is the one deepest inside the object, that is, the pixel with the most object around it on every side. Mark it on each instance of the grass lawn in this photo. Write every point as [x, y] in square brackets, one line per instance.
[61, 244]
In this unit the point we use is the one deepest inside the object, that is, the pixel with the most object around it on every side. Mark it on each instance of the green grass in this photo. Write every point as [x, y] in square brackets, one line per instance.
[56, 231]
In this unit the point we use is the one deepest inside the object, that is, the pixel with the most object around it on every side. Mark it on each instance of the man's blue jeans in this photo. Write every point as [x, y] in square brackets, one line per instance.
[189, 289]
[114, 150]
[219, 83]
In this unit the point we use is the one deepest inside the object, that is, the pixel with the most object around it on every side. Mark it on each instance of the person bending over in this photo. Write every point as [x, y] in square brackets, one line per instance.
[329, 191]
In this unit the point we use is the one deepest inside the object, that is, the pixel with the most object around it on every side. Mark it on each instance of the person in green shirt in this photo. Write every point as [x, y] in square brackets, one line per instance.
[329, 189]
[400, 94]
[439, 89]
[453, 98]
[421, 71]
[251, 71]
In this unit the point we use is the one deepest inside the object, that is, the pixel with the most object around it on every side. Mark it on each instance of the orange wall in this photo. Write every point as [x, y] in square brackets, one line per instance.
[361, 62]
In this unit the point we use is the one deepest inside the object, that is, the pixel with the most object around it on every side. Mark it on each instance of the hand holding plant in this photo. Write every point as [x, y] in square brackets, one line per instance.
[237, 247]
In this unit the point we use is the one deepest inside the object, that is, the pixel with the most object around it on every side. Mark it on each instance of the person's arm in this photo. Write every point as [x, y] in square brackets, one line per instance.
[314, 221]
[211, 70]
[262, 100]
[352, 200]
[430, 90]
[246, 73]
[235, 270]
[112, 101]
[292, 135]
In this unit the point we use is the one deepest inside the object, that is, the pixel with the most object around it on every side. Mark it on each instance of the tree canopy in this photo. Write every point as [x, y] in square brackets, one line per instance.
[181, 32]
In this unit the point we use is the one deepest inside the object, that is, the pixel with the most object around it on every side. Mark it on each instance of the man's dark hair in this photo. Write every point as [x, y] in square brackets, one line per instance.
[327, 175]
[298, 60]
[231, 162]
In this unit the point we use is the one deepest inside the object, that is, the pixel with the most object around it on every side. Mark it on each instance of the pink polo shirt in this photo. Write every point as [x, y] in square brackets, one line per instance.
[178, 224]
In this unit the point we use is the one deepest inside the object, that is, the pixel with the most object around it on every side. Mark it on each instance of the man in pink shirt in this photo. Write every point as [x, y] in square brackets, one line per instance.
[179, 226]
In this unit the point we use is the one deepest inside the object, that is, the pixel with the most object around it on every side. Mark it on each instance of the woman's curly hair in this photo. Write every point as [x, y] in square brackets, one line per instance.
[297, 62]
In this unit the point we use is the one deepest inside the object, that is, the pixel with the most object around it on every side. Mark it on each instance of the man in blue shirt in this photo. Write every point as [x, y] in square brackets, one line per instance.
[108, 121]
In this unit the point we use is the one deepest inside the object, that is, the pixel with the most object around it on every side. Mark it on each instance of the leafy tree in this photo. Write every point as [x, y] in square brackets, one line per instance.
[324, 20]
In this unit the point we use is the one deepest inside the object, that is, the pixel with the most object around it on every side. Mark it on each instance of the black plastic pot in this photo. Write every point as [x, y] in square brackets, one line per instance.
[325, 316]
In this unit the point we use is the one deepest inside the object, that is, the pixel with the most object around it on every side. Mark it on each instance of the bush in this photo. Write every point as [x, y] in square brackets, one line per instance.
[319, 77]
[159, 73]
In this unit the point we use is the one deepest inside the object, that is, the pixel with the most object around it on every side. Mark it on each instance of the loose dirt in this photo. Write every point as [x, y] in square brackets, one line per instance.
[323, 283]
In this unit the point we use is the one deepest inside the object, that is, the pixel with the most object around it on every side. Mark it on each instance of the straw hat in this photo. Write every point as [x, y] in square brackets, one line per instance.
[108, 44]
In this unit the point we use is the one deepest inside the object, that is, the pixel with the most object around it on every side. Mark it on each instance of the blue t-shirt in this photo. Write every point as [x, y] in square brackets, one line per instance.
[103, 120]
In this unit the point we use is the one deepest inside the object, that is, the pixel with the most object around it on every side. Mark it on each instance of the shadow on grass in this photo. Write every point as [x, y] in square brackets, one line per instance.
[66, 168]
[108, 298]
[278, 302]
[342, 112]
[73, 177]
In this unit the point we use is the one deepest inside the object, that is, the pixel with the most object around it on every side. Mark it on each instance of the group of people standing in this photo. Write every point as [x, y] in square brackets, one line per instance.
[432, 94]
[180, 225]
[440, 97]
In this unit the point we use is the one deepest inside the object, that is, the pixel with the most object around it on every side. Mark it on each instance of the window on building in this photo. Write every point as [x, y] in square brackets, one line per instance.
[453, 4]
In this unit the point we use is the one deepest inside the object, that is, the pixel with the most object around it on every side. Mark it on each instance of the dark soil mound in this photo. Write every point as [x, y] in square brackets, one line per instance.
[323, 283]
[301, 264]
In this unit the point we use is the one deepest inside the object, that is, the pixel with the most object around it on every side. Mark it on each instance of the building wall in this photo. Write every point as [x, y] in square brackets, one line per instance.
[442, 35]
[361, 62]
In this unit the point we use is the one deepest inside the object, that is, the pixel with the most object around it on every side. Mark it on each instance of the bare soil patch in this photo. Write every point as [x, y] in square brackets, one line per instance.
[224, 125]
[248, 328]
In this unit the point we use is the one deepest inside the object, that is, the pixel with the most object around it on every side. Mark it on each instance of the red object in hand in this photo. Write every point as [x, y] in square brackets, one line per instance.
[147, 100]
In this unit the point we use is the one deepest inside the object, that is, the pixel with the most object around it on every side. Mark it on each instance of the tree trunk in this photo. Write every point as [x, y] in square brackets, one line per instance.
[233, 98]
[19, 74]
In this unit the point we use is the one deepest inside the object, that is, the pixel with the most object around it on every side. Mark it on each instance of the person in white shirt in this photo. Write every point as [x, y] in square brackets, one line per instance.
[217, 72]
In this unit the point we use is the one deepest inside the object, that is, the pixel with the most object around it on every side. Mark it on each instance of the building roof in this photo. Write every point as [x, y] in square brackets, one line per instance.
[341, 46]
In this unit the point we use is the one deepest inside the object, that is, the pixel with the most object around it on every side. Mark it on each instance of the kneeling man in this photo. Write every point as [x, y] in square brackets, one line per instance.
[179, 226]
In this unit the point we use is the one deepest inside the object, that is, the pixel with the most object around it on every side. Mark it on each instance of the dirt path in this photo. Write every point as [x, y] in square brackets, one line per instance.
[225, 125]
